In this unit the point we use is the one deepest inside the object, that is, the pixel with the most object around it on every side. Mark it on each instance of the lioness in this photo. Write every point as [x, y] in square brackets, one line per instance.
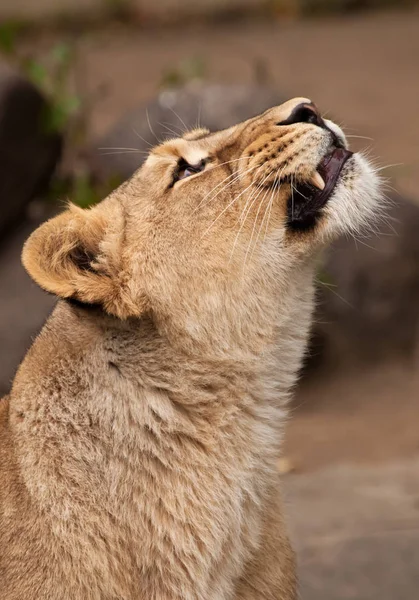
[139, 442]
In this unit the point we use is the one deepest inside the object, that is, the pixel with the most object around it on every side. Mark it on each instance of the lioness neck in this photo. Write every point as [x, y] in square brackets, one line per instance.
[108, 419]
[117, 376]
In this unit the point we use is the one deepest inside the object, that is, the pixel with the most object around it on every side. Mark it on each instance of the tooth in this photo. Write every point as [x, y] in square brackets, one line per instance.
[318, 181]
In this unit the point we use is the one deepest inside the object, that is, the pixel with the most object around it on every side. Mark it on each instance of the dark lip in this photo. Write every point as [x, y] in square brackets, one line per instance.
[306, 201]
[330, 169]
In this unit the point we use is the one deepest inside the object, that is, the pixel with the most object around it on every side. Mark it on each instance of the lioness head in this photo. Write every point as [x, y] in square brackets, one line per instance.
[210, 231]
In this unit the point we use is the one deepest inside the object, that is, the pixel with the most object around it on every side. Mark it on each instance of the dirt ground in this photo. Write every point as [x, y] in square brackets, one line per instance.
[365, 416]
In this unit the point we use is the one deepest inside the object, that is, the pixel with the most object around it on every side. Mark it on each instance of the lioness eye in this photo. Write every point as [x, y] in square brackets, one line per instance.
[184, 169]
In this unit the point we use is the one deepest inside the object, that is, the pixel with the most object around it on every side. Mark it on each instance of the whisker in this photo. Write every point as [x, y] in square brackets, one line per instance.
[151, 129]
[268, 212]
[390, 188]
[180, 119]
[253, 229]
[259, 190]
[361, 137]
[119, 148]
[172, 131]
[242, 218]
[236, 176]
[358, 239]
[278, 179]
[219, 184]
[328, 287]
[294, 189]
[246, 211]
[198, 119]
[261, 184]
[121, 152]
[169, 123]
[276, 187]
[141, 138]
[292, 199]
[264, 217]
[378, 169]
[227, 207]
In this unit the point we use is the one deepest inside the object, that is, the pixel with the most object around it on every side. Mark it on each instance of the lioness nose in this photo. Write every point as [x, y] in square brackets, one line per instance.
[304, 113]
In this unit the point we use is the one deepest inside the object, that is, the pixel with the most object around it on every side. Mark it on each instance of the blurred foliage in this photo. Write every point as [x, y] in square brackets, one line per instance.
[50, 76]
[9, 33]
[66, 112]
[81, 17]
[82, 188]
[117, 8]
[190, 69]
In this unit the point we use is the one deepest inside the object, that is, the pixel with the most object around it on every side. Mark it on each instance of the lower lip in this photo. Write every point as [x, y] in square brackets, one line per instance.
[307, 200]
[330, 169]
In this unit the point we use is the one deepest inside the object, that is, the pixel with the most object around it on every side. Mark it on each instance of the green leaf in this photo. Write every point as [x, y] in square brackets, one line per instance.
[62, 53]
[72, 104]
[36, 72]
[8, 34]
[187, 70]
[194, 68]
[83, 192]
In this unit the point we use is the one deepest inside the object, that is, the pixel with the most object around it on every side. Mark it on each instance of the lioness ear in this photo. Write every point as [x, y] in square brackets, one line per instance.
[79, 255]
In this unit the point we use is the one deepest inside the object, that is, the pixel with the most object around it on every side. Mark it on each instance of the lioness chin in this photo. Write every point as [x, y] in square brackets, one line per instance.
[139, 442]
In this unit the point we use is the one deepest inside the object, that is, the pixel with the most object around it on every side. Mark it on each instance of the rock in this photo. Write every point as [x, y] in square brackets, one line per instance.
[28, 153]
[215, 106]
[369, 306]
[24, 306]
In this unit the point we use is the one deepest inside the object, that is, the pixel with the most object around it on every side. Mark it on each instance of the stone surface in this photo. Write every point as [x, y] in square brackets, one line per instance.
[369, 303]
[215, 106]
[23, 305]
[356, 531]
[28, 152]
[355, 413]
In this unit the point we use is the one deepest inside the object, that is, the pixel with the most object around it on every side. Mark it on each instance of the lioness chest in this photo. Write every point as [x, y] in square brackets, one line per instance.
[132, 489]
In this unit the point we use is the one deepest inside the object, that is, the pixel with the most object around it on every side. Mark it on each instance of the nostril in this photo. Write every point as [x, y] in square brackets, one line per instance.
[304, 113]
[307, 115]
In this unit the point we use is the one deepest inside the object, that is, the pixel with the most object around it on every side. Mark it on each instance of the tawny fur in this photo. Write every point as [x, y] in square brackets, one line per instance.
[139, 442]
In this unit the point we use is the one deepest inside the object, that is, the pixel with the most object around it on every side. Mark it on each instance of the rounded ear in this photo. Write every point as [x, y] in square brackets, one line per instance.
[79, 255]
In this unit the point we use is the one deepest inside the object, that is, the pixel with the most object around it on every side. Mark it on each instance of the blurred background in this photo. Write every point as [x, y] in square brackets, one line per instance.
[86, 86]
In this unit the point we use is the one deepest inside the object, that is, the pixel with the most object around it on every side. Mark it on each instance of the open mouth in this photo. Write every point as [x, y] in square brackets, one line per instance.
[307, 198]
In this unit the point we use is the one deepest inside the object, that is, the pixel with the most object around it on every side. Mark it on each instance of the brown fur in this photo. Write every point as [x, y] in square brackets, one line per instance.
[139, 442]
